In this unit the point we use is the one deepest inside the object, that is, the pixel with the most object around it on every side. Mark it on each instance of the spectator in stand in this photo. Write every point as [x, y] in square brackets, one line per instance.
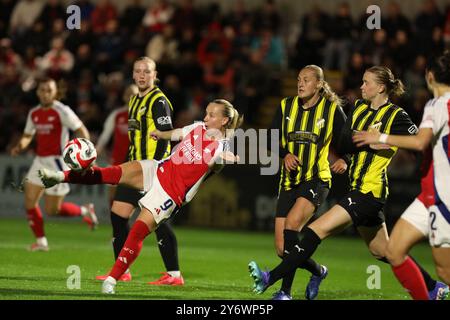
[219, 75]
[428, 18]
[395, 20]
[252, 85]
[355, 71]
[213, 43]
[157, 15]
[8, 57]
[80, 37]
[30, 70]
[12, 94]
[188, 40]
[437, 43]
[414, 79]
[268, 17]
[52, 11]
[376, 48]
[238, 15]
[401, 50]
[58, 61]
[338, 45]
[58, 30]
[37, 37]
[103, 12]
[131, 17]
[243, 41]
[86, 9]
[24, 15]
[177, 94]
[163, 47]
[6, 9]
[271, 48]
[189, 70]
[186, 16]
[311, 39]
[109, 48]
[446, 30]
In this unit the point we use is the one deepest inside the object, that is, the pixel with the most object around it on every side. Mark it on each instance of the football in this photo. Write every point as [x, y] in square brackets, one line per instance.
[79, 154]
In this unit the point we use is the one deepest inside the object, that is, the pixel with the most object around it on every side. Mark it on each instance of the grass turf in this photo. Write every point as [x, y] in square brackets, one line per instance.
[213, 262]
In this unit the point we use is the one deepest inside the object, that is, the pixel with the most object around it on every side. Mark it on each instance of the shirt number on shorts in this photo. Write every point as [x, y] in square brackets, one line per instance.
[167, 204]
[433, 220]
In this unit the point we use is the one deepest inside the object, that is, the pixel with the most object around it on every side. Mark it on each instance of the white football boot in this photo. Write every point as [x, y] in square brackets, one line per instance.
[50, 178]
[109, 285]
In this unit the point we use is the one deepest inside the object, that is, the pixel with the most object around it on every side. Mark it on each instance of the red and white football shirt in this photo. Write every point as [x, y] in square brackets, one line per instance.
[436, 117]
[116, 125]
[181, 174]
[51, 127]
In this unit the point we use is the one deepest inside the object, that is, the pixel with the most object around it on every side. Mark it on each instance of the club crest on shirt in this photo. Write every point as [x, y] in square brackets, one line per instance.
[320, 123]
[375, 126]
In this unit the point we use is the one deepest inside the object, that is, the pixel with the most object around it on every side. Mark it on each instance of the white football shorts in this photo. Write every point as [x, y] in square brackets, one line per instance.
[417, 214]
[53, 163]
[156, 200]
[439, 228]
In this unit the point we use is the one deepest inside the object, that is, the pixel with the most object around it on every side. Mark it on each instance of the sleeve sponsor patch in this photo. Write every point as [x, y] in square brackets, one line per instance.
[413, 129]
[164, 120]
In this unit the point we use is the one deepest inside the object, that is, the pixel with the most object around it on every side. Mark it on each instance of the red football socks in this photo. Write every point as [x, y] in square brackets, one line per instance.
[36, 222]
[96, 175]
[131, 249]
[69, 209]
[411, 279]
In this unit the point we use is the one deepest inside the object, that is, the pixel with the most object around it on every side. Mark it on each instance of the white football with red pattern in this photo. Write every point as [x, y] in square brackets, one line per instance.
[79, 154]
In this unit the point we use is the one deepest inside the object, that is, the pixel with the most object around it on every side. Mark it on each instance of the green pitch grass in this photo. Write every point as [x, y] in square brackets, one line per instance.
[214, 265]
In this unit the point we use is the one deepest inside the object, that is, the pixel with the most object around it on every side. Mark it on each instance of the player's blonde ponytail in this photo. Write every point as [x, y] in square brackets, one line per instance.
[326, 90]
[230, 112]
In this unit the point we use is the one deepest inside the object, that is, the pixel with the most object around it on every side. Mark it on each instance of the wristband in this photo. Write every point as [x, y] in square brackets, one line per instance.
[383, 138]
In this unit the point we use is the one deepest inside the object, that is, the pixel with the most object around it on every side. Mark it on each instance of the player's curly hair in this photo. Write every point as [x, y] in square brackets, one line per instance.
[326, 90]
[384, 75]
[440, 67]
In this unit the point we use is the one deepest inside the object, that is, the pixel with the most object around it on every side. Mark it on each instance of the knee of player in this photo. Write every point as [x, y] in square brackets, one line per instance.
[51, 210]
[378, 252]
[394, 255]
[443, 273]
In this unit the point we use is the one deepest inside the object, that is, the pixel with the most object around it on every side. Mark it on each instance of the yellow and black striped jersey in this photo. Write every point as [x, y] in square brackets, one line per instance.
[307, 133]
[145, 114]
[368, 168]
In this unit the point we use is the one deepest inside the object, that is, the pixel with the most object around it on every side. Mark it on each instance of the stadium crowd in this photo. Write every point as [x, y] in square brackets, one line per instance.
[202, 52]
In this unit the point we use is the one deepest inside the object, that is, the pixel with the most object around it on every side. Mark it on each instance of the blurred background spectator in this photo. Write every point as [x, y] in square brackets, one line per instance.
[248, 52]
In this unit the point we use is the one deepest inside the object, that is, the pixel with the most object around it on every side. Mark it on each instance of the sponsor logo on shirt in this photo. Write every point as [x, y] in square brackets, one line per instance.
[189, 151]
